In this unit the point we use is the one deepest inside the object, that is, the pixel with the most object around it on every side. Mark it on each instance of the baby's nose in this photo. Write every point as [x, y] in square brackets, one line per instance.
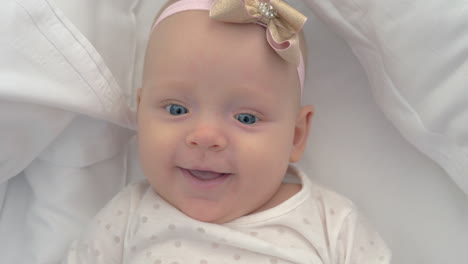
[207, 137]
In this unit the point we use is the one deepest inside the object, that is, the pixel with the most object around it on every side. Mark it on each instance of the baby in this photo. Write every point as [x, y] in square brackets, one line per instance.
[219, 122]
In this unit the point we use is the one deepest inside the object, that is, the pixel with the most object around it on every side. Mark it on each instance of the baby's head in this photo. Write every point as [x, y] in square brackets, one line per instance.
[219, 116]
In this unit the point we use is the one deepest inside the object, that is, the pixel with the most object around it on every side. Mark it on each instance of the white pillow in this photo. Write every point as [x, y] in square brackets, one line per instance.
[54, 90]
[415, 54]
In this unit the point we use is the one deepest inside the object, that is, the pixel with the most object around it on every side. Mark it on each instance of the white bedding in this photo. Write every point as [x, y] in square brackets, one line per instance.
[353, 148]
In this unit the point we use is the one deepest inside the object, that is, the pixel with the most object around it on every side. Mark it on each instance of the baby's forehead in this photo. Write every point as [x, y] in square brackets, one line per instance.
[190, 42]
[196, 26]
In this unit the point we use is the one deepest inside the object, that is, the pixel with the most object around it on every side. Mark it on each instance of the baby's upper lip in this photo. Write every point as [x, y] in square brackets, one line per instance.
[207, 169]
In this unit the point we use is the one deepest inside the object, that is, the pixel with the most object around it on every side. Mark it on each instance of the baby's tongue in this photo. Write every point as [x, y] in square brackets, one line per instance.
[205, 175]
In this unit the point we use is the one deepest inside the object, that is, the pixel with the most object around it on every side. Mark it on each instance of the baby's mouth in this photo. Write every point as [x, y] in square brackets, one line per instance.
[206, 178]
[206, 175]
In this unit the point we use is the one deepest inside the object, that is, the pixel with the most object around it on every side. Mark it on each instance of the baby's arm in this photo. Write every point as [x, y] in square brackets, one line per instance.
[359, 243]
[103, 241]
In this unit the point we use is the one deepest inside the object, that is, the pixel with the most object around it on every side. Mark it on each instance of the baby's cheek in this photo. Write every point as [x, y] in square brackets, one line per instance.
[263, 165]
[267, 152]
[156, 143]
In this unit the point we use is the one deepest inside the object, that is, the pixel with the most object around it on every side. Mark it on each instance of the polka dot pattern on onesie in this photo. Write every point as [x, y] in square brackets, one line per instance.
[155, 233]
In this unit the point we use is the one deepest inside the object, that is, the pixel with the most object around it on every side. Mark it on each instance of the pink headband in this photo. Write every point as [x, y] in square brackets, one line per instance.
[282, 22]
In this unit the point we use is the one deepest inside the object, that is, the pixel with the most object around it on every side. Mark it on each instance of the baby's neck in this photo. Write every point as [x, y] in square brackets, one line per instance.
[285, 191]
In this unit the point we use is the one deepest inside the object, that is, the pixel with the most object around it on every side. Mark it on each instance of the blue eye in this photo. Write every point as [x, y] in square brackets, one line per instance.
[247, 119]
[175, 109]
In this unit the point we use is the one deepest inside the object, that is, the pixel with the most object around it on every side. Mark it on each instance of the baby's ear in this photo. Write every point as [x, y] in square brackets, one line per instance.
[301, 132]
[139, 90]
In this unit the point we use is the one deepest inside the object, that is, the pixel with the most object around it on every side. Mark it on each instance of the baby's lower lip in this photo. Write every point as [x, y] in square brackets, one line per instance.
[203, 183]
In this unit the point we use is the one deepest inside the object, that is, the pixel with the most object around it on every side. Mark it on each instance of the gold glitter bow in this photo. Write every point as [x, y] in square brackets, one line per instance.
[282, 21]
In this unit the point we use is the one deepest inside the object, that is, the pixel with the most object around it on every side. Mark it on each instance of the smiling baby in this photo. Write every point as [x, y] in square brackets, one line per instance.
[220, 121]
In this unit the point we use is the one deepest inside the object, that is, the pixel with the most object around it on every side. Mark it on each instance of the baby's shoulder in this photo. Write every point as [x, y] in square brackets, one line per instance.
[330, 198]
[324, 198]
[326, 204]
[348, 225]
[130, 196]
[136, 188]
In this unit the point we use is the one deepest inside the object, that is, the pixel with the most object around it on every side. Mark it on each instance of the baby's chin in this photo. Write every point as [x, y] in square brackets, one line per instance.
[206, 211]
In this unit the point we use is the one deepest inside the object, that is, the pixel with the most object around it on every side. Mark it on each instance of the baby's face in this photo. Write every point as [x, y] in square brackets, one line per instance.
[216, 117]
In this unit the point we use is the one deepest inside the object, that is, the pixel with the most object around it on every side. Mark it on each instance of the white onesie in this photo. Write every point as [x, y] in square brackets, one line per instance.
[315, 226]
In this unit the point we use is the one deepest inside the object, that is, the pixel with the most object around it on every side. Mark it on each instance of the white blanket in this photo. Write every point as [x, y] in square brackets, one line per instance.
[55, 93]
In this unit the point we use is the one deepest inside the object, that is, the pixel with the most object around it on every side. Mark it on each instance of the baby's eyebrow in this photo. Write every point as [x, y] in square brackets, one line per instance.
[170, 83]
